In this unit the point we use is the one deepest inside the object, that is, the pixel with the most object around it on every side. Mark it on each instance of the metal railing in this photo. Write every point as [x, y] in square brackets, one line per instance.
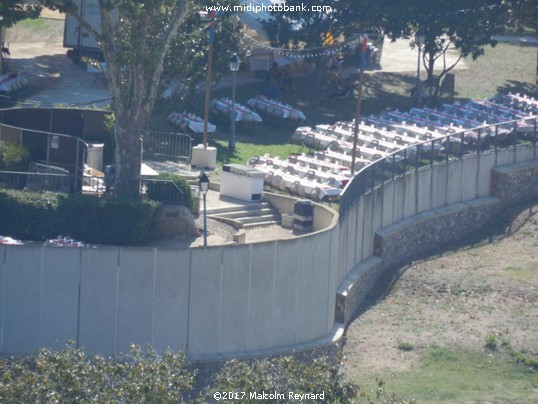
[167, 144]
[35, 182]
[485, 139]
[165, 191]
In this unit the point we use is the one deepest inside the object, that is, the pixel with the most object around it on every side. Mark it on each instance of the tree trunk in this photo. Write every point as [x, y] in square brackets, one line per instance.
[133, 77]
[128, 160]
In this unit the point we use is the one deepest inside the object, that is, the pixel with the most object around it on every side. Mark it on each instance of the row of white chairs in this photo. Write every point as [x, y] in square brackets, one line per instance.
[520, 102]
[300, 169]
[367, 148]
[304, 186]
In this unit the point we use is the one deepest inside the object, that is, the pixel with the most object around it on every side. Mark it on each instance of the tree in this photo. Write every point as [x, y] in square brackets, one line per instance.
[134, 38]
[462, 25]
[300, 26]
[11, 12]
[187, 57]
[524, 13]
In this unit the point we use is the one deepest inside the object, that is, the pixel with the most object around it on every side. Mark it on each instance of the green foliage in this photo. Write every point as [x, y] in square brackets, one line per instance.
[529, 360]
[283, 31]
[13, 11]
[69, 376]
[163, 191]
[284, 374]
[34, 216]
[186, 59]
[466, 26]
[491, 342]
[110, 145]
[405, 346]
[523, 14]
[12, 156]
[526, 359]
[134, 37]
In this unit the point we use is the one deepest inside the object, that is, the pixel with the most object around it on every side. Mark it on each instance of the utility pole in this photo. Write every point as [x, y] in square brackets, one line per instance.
[212, 24]
[362, 66]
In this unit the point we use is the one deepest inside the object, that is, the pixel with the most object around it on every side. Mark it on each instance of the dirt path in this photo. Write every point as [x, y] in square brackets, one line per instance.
[454, 300]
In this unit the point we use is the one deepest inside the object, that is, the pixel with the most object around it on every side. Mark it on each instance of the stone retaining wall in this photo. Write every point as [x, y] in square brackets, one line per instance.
[515, 183]
[428, 231]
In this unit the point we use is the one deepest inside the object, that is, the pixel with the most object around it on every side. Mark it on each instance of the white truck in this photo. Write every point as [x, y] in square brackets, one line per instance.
[79, 41]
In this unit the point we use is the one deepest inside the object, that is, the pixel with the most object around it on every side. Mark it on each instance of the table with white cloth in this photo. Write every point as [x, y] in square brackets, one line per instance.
[241, 113]
[185, 120]
[275, 108]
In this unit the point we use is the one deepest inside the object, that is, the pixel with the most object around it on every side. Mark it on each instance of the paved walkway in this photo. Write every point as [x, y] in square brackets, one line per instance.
[218, 233]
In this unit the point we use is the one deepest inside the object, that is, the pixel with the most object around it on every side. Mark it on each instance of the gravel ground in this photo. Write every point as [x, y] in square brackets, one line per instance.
[220, 234]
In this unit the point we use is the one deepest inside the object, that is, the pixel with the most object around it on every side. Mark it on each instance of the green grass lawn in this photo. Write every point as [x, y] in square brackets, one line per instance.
[40, 29]
[451, 375]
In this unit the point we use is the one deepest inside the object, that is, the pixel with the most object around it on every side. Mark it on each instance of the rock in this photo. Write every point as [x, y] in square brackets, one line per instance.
[174, 220]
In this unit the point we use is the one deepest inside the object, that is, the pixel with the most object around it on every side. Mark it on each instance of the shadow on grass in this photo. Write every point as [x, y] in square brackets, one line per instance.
[224, 154]
[381, 92]
[515, 86]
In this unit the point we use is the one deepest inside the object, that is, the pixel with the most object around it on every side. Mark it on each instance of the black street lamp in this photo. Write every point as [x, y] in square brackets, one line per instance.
[203, 183]
[235, 62]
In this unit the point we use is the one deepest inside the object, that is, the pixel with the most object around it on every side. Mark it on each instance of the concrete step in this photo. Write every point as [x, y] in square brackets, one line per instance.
[260, 224]
[259, 218]
[249, 206]
[241, 213]
[249, 214]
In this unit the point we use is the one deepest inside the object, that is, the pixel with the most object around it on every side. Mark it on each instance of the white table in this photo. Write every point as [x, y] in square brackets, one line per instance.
[275, 108]
[185, 120]
[241, 113]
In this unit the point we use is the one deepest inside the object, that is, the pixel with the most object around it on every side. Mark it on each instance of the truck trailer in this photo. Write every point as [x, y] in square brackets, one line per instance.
[79, 41]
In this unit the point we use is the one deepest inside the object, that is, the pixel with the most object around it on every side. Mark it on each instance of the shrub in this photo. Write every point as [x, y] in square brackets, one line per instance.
[12, 156]
[69, 376]
[161, 190]
[406, 346]
[285, 374]
[528, 360]
[491, 342]
[33, 216]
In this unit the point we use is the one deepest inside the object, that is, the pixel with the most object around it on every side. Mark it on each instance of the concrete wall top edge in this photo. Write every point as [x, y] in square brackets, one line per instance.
[525, 165]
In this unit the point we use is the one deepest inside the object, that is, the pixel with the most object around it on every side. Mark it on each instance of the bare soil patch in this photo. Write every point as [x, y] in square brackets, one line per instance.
[455, 299]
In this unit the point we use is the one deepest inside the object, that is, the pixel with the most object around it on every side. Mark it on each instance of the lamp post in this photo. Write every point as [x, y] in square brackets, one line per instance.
[235, 62]
[419, 40]
[203, 183]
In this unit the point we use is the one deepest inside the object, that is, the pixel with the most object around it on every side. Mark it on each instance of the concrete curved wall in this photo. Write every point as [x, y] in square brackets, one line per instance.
[210, 302]
[419, 191]
[221, 301]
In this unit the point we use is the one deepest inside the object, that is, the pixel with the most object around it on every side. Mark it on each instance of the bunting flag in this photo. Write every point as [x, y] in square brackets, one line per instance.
[329, 50]
[329, 39]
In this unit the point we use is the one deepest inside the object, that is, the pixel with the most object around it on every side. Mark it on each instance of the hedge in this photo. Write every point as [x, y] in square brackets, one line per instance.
[34, 216]
[159, 190]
